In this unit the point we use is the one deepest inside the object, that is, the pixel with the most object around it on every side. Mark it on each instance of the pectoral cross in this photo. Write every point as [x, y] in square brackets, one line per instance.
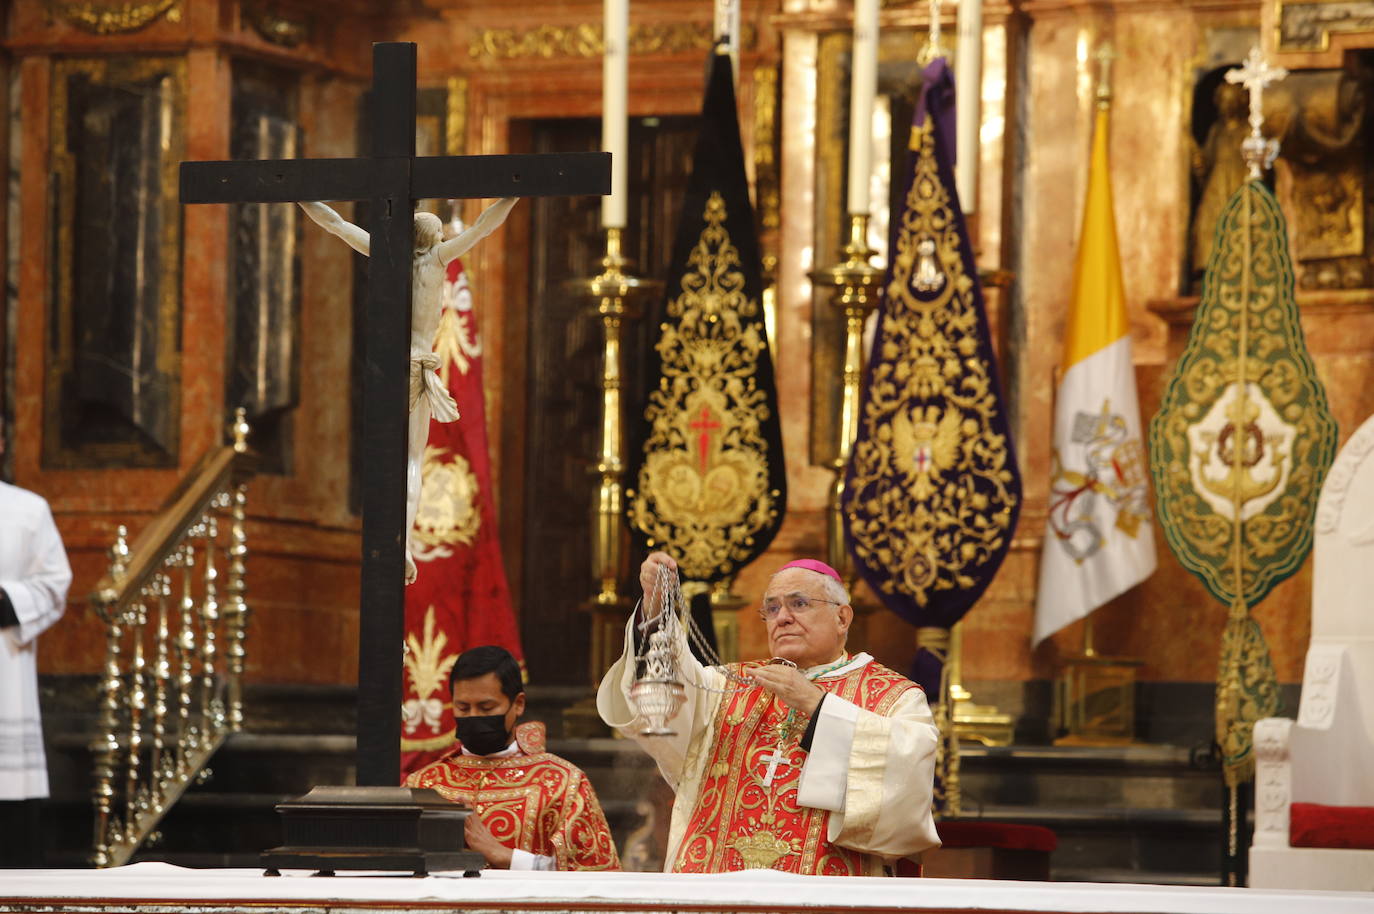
[774, 760]
[1255, 76]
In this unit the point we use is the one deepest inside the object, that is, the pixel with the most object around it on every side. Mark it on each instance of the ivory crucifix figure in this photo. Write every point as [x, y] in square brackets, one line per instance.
[433, 254]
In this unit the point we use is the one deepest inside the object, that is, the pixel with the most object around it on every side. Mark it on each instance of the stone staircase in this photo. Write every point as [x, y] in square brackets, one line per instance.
[1122, 814]
[1136, 813]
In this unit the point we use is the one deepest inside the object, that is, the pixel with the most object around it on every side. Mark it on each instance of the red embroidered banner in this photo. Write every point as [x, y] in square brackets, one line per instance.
[461, 598]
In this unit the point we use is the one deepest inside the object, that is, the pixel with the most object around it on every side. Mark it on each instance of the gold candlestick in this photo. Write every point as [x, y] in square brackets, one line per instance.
[856, 283]
[615, 295]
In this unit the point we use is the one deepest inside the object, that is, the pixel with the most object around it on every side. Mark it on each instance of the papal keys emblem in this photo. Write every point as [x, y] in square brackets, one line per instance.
[1105, 469]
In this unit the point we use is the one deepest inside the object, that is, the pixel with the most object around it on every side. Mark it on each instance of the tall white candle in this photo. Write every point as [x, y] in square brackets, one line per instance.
[968, 81]
[863, 86]
[727, 25]
[615, 112]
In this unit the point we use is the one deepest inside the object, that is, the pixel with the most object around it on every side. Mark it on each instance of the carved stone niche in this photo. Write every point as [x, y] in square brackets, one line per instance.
[1324, 177]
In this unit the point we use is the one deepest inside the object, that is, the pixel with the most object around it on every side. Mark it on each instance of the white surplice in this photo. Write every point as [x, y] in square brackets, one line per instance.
[35, 574]
[873, 773]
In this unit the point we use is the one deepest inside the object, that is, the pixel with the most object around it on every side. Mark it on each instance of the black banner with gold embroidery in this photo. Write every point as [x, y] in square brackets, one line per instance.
[932, 489]
[707, 475]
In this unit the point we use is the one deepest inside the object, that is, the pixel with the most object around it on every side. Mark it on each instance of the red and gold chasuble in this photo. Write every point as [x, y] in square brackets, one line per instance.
[743, 821]
[532, 801]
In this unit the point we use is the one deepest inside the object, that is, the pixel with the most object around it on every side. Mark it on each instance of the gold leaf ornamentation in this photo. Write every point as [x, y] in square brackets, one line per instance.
[931, 494]
[548, 42]
[115, 18]
[704, 483]
[275, 26]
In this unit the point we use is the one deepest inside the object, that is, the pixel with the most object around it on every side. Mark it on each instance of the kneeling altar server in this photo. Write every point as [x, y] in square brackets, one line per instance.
[818, 761]
[534, 810]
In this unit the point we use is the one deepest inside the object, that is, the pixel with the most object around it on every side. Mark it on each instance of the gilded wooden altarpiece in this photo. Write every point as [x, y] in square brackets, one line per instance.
[113, 17]
[584, 40]
[112, 382]
[1310, 26]
[1323, 117]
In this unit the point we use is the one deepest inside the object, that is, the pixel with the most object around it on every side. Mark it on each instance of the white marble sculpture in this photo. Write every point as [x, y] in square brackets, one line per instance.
[432, 256]
[1324, 756]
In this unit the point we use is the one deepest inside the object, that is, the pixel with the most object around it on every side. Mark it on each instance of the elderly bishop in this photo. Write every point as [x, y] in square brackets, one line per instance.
[818, 761]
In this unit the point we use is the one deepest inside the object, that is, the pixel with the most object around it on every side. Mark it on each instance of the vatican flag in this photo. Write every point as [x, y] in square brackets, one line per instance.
[1099, 540]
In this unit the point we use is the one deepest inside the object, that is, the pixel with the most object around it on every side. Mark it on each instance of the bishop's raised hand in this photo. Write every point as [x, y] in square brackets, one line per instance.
[654, 565]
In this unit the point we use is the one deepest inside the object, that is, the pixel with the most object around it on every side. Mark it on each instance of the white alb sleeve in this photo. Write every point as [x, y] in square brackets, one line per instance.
[524, 860]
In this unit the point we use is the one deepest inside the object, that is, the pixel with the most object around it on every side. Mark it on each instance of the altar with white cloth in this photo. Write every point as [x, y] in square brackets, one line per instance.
[156, 888]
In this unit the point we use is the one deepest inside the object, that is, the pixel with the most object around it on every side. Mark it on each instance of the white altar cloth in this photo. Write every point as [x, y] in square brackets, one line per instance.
[156, 888]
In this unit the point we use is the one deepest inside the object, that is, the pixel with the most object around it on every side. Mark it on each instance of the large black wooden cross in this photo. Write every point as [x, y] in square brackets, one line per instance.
[391, 179]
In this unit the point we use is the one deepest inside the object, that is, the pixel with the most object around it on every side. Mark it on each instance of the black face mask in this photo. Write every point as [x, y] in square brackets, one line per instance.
[482, 735]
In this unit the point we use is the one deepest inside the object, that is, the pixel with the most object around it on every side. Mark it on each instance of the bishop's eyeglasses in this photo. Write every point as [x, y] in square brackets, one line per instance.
[796, 604]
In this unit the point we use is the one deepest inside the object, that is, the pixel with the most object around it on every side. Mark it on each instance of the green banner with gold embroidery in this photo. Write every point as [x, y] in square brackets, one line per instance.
[707, 475]
[1239, 449]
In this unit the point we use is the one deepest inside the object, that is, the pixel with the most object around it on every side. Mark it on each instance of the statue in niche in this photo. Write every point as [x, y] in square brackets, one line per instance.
[1320, 119]
[1218, 166]
[1325, 153]
[432, 256]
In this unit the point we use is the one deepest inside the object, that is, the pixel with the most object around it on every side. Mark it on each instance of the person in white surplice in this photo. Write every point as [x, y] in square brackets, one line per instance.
[817, 761]
[34, 577]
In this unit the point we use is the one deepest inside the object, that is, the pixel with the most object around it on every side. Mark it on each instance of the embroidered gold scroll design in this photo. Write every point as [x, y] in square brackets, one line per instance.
[427, 662]
[930, 497]
[1278, 419]
[448, 514]
[704, 483]
[762, 849]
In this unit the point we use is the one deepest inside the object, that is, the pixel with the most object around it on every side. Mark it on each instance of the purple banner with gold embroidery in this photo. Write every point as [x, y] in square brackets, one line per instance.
[932, 489]
[707, 476]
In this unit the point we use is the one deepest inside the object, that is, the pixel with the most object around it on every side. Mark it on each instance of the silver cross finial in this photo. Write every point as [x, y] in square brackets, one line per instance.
[932, 49]
[1255, 76]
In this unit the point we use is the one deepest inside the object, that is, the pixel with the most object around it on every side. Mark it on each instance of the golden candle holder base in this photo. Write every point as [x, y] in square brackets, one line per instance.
[983, 724]
[973, 722]
[1094, 701]
[856, 282]
[1094, 697]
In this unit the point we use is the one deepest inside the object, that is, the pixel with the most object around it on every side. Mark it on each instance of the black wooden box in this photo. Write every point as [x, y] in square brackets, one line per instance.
[372, 828]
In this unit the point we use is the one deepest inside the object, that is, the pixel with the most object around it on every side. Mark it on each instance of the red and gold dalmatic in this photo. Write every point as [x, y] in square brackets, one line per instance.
[741, 822]
[533, 801]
